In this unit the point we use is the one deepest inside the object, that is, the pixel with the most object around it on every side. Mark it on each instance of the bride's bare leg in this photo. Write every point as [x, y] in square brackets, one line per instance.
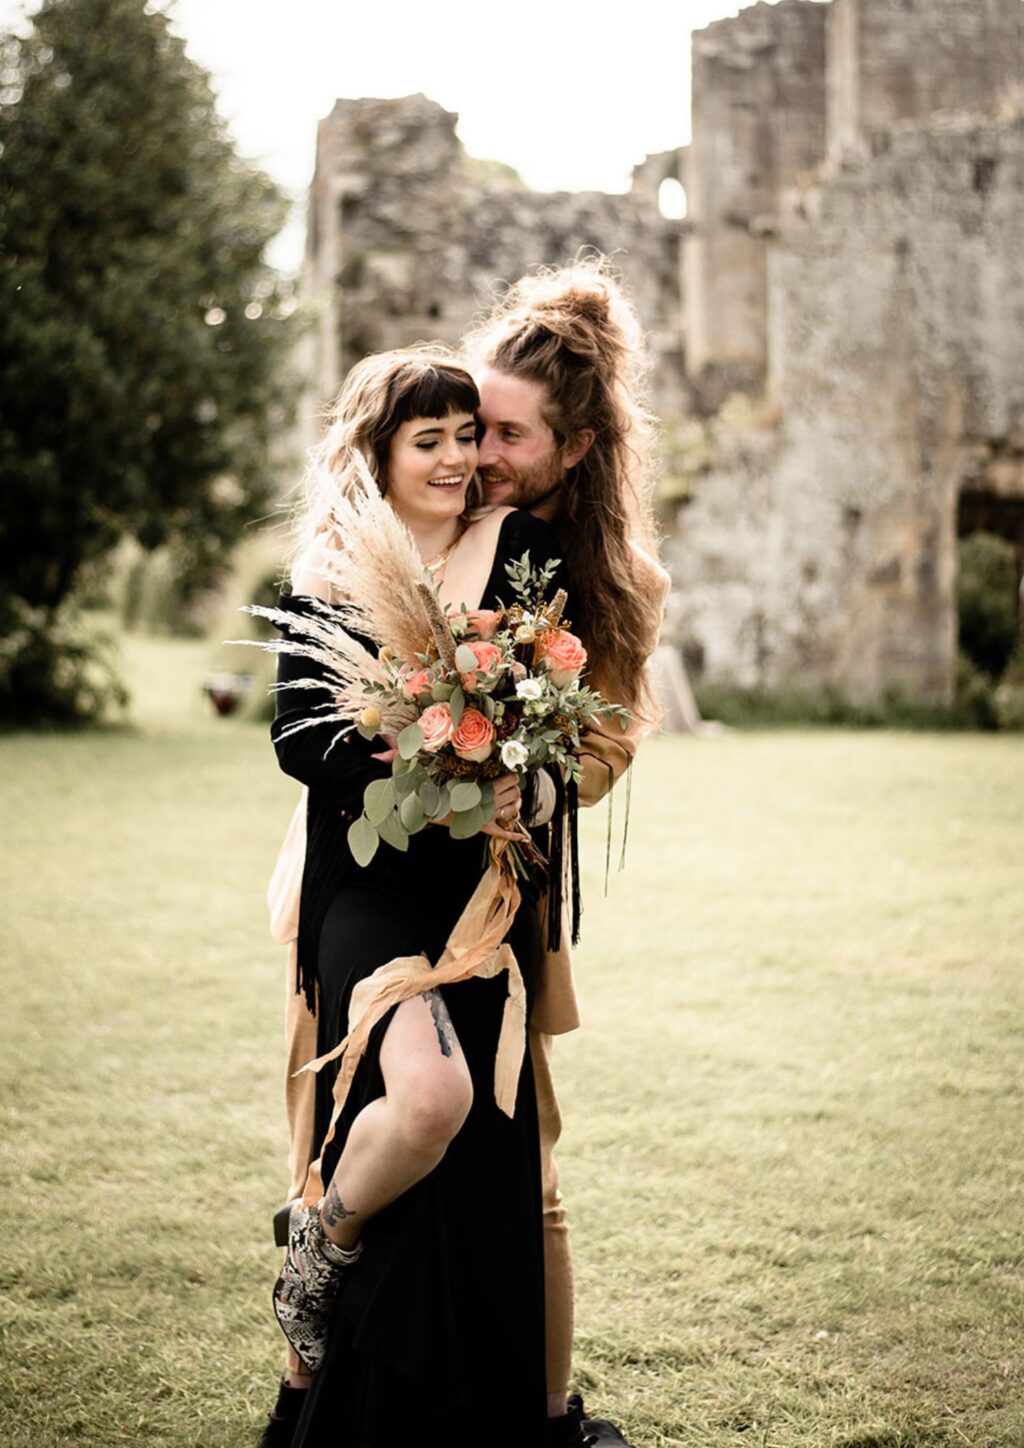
[398, 1139]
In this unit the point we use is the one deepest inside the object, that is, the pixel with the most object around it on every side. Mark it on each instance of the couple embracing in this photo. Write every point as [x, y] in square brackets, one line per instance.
[427, 1293]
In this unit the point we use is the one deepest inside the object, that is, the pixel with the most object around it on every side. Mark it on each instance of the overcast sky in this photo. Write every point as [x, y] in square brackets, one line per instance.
[570, 98]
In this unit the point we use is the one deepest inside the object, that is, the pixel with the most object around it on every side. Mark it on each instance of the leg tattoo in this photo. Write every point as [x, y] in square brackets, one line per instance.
[334, 1210]
[442, 1021]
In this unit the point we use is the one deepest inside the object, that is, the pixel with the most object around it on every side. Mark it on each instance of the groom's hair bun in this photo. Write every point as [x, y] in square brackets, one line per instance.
[562, 319]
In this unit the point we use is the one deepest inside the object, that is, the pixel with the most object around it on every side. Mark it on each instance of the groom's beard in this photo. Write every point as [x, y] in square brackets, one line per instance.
[526, 487]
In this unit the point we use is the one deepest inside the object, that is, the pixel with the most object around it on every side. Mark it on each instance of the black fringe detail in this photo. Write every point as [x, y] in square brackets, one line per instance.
[556, 863]
[573, 807]
[563, 871]
[305, 978]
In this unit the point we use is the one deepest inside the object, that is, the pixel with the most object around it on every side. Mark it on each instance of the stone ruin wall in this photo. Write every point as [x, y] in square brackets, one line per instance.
[407, 238]
[820, 547]
[849, 262]
[758, 126]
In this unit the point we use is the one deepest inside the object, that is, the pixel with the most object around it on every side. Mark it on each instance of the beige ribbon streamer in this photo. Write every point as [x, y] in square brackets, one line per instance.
[474, 948]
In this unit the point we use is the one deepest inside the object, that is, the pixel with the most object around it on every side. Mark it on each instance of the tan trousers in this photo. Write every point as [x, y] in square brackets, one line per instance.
[300, 1029]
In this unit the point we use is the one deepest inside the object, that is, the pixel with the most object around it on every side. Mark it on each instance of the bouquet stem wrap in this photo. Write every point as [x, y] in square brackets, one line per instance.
[474, 948]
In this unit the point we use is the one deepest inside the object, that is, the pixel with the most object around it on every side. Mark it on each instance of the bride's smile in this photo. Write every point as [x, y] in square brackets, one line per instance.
[432, 460]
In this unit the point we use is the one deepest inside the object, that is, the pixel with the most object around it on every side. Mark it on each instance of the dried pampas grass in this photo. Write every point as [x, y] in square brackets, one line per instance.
[350, 669]
[374, 568]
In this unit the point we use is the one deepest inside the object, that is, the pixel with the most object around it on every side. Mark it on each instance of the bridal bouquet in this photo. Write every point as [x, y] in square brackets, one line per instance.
[495, 692]
[459, 698]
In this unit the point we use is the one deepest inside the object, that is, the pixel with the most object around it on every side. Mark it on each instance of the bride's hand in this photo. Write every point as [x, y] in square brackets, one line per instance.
[505, 823]
[391, 752]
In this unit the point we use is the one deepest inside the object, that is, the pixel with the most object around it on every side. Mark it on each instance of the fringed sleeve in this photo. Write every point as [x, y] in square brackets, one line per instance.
[336, 778]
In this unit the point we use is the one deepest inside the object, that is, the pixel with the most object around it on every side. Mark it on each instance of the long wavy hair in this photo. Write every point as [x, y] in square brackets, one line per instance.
[379, 394]
[573, 330]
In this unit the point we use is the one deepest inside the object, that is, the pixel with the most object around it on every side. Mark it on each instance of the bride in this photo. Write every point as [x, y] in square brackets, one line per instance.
[413, 1290]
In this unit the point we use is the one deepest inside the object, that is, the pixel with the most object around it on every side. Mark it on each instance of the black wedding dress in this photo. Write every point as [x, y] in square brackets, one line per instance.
[438, 1336]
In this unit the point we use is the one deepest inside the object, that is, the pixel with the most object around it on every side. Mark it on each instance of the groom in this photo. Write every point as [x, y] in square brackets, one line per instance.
[566, 437]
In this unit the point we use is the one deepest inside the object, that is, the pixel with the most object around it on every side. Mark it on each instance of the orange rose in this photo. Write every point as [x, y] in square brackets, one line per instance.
[488, 660]
[436, 723]
[474, 738]
[562, 655]
[417, 683]
[484, 621]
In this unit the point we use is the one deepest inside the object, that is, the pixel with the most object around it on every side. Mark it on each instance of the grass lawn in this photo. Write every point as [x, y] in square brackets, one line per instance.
[793, 1119]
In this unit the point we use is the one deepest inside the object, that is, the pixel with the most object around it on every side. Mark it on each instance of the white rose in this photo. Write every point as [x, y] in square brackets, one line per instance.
[529, 689]
[514, 754]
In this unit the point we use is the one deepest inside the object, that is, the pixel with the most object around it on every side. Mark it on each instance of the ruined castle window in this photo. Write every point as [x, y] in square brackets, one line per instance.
[434, 310]
[672, 199]
[984, 171]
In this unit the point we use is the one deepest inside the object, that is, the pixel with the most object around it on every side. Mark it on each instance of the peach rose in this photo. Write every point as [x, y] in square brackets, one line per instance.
[488, 659]
[562, 655]
[436, 723]
[474, 738]
[484, 621]
[417, 683]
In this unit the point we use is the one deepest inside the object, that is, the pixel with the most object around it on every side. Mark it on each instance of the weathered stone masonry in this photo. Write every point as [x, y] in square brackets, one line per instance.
[880, 304]
[851, 262]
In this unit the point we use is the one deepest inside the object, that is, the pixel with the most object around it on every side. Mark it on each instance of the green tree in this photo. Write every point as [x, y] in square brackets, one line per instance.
[143, 338]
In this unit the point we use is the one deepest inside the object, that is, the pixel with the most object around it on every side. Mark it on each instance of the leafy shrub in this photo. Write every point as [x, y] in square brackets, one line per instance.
[1009, 704]
[975, 695]
[987, 601]
[827, 707]
[55, 669]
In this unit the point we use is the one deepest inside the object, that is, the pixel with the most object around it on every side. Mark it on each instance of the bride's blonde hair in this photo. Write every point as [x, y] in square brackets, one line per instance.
[379, 394]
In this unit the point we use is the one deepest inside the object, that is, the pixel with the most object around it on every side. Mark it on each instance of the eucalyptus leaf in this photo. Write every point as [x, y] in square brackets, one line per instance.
[465, 659]
[362, 841]
[441, 693]
[456, 704]
[405, 783]
[487, 705]
[410, 741]
[465, 795]
[391, 831]
[412, 813]
[444, 803]
[379, 800]
[463, 826]
[429, 796]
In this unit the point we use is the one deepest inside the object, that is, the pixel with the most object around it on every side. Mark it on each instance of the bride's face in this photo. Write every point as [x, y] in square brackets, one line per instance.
[429, 467]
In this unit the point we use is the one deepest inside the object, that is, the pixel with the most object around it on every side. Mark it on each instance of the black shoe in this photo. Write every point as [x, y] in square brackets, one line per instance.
[283, 1417]
[567, 1431]
[597, 1432]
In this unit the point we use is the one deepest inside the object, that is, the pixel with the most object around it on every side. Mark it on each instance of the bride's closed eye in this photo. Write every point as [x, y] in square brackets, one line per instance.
[468, 441]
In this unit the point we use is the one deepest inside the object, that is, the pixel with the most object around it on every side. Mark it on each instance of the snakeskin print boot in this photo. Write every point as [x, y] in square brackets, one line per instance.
[305, 1291]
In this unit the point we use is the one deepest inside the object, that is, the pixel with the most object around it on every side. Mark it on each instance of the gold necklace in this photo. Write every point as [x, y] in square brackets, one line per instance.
[435, 566]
